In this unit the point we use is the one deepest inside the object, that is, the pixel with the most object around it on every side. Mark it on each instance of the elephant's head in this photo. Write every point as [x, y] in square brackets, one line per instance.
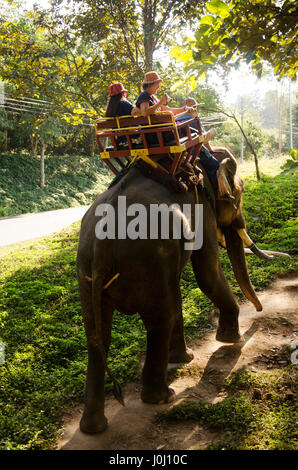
[232, 230]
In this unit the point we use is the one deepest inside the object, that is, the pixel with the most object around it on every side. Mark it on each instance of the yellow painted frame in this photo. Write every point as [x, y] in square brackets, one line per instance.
[136, 127]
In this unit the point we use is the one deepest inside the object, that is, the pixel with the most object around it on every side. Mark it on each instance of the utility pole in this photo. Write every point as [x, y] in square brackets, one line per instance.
[2, 104]
[2, 94]
[242, 136]
[291, 115]
[279, 110]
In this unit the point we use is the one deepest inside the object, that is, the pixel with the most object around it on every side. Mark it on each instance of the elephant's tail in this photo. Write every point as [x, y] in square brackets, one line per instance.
[97, 287]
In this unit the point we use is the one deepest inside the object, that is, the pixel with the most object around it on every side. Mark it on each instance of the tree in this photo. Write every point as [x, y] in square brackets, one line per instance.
[35, 68]
[262, 30]
[204, 94]
[49, 64]
[142, 26]
[5, 125]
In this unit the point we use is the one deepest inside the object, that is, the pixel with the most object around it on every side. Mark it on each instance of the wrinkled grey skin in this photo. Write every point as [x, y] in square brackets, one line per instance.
[149, 280]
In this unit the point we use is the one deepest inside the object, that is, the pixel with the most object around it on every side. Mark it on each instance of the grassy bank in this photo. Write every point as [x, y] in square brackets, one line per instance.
[41, 324]
[259, 413]
[70, 181]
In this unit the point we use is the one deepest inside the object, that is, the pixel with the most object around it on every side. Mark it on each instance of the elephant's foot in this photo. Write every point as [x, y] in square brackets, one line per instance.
[90, 423]
[166, 395]
[181, 356]
[228, 335]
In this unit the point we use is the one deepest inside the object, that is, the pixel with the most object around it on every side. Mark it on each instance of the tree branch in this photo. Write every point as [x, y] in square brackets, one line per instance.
[232, 116]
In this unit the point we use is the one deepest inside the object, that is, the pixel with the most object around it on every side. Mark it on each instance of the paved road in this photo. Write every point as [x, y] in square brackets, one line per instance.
[29, 226]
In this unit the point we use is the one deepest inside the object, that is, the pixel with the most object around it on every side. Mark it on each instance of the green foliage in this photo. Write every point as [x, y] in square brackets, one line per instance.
[235, 414]
[68, 57]
[135, 29]
[217, 7]
[229, 134]
[254, 31]
[71, 181]
[270, 210]
[248, 420]
[291, 164]
[23, 132]
[204, 94]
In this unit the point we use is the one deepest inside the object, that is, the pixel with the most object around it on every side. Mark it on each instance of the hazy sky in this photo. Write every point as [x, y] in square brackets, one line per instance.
[244, 82]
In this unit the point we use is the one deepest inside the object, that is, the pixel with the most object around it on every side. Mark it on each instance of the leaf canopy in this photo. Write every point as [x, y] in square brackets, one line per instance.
[258, 32]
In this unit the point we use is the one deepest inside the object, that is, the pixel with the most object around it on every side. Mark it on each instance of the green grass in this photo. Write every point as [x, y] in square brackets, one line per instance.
[42, 329]
[70, 181]
[260, 412]
[267, 166]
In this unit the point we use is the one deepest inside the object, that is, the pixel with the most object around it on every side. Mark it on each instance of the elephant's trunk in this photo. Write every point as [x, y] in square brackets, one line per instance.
[236, 254]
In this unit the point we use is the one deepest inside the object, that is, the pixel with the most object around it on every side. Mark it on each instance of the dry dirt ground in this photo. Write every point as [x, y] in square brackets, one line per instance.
[264, 336]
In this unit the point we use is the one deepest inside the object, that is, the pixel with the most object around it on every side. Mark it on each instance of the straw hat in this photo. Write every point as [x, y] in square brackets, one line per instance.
[151, 77]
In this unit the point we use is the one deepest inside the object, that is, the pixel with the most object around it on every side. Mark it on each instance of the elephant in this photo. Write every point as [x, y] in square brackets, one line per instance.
[143, 276]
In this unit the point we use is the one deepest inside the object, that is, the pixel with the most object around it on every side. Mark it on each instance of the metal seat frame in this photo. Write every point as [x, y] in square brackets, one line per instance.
[180, 150]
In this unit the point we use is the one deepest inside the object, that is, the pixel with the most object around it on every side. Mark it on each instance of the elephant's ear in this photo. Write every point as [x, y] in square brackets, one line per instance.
[229, 164]
[221, 153]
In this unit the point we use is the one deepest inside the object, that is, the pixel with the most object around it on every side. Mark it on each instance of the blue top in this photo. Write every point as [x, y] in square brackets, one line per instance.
[145, 97]
[124, 108]
[186, 117]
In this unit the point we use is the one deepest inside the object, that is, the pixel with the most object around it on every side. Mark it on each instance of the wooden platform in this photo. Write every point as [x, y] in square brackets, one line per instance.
[124, 139]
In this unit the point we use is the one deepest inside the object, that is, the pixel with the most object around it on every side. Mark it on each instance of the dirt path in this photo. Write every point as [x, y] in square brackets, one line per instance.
[264, 336]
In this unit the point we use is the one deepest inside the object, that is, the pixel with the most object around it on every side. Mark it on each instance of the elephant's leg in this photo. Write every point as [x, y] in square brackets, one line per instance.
[178, 349]
[93, 419]
[212, 282]
[159, 330]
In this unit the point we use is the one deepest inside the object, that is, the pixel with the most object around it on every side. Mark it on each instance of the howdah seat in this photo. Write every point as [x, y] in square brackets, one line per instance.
[126, 138]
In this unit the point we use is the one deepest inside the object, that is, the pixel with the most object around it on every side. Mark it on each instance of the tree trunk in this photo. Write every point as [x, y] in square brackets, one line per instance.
[148, 28]
[148, 56]
[290, 115]
[34, 143]
[42, 173]
[242, 137]
[92, 142]
[5, 145]
[250, 146]
[279, 124]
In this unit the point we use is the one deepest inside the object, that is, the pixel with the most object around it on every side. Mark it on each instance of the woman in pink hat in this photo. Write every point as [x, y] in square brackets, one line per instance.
[118, 105]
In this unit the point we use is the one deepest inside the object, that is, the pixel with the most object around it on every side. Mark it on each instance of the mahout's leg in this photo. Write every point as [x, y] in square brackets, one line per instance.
[93, 419]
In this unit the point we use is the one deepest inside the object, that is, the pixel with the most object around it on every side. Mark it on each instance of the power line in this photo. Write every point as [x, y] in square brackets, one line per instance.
[17, 109]
[25, 107]
[208, 123]
[26, 102]
[38, 106]
[14, 110]
[34, 102]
